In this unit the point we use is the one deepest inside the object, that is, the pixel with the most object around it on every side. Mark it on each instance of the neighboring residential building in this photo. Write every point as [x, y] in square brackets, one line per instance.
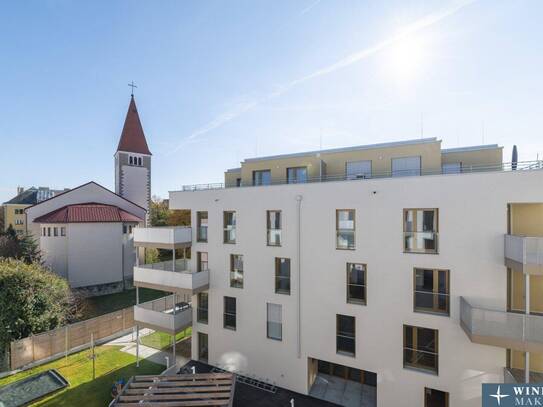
[14, 209]
[133, 161]
[85, 236]
[399, 269]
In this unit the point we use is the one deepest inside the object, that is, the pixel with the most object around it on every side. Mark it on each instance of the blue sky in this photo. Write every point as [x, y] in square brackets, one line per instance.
[220, 81]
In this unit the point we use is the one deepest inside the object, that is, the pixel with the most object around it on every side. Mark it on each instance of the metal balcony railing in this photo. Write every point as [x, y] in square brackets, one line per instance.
[524, 253]
[180, 266]
[500, 328]
[465, 169]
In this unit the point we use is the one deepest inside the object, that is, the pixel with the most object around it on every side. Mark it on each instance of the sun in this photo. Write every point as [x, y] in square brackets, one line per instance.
[405, 58]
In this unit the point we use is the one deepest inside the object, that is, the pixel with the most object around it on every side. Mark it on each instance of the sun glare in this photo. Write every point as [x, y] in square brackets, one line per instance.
[405, 58]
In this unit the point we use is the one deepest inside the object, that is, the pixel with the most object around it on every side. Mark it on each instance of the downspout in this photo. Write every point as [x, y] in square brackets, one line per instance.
[299, 272]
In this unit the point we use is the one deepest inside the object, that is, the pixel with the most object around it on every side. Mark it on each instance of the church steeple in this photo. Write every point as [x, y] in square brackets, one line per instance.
[133, 160]
[132, 137]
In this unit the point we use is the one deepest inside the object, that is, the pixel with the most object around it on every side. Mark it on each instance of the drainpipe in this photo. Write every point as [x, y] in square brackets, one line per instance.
[527, 308]
[299, 208]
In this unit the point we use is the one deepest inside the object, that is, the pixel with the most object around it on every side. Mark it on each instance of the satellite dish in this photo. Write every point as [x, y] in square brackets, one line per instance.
[514, 159]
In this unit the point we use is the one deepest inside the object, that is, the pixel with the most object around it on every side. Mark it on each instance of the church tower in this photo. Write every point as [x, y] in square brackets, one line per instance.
[133, 161]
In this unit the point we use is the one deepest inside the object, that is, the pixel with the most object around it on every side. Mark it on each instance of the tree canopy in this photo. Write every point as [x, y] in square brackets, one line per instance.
[23, 247]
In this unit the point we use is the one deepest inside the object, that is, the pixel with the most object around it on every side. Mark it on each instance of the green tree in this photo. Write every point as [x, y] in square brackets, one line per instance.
[32, 300]
[22, 247]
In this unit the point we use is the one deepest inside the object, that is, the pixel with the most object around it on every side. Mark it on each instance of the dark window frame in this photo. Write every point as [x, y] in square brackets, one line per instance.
[270, 229]
[228, 314]
[436, 295]
[202, 265]
[279, 277]
[259, 182]
[202, 310]
[345, 336]
[200, 227]
[229, 227]
[268, 322]
[339, 231]
[353, 300]
[413, 233]
[236, 282]
[418, 352]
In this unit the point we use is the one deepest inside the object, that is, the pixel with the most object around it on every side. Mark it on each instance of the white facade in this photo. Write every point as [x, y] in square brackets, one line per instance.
[472, 224]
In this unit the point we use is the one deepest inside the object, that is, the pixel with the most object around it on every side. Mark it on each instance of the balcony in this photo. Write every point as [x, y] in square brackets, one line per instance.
[168, 237]
[503, 329]
[171, 276]
[514, 376]
[159, 315]
[524, 253]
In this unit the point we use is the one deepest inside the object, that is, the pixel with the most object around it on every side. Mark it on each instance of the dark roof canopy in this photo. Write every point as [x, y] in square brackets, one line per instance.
[132, 137]
[88, 213]
[27, 197]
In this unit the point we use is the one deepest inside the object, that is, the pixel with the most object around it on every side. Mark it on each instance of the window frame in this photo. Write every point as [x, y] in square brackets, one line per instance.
[435, 231]
[199, 226]
[278, 277]
[296, 181]
[234, 314]
[261, 172]
[230, 227]
[419, 367]
[364, 301]
[280, 338]
[234, 270]
[338, 230]
[200, 311]
[270, 229]
[447, 396]
[435, 310]
[200, 262]
[353, 337]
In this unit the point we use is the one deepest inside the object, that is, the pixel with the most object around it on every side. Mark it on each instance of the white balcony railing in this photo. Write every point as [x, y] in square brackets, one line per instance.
[159, 314]
[164, 276]
[167, 236]
[525, 253]
[500, 328]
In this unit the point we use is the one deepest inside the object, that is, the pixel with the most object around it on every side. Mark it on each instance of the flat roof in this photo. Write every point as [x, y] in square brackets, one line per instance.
[470, 148]
[346, 149]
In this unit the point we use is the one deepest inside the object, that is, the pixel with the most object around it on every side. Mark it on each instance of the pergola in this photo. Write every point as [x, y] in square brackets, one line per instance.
[202, 389]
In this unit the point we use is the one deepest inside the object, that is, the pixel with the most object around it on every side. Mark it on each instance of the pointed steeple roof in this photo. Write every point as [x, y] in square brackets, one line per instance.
[132, 138]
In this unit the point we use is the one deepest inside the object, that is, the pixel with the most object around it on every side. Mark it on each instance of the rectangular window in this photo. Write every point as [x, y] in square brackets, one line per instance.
[229, 220]
[431, 290]
[203, 351]
[356, 283]
[358, 169]
[273, 221]
[345, 227]
[62, 231]
[202, 311]
[201, 230]
[262, 177]
[44, 232]
[451, 168]
[55, 232]
[275, 321]
[406, 166]
[49, 231]
[296, 175]
[229, 320]
[125, 229]
[238, 182]
[345, 335]
[420, 348]
[282, 275]
[420, 229]
[435, 398]
[236, 270]
[202, 261]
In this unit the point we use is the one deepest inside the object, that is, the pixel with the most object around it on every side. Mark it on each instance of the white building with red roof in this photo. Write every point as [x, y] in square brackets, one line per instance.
[85, 234]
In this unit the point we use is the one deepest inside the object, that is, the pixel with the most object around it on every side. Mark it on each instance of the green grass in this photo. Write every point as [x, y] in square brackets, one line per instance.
[96, 306]
[161, 340]
[111, 365]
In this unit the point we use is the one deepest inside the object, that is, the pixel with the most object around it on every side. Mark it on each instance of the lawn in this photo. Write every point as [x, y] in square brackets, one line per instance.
[104, 304]
[161, 340]
[111, 365]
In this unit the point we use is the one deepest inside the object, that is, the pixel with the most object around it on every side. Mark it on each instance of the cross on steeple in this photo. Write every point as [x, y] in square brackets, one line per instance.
[131, 84]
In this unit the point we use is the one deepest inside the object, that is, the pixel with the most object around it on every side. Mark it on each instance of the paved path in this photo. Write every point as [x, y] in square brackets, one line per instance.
[128, 345]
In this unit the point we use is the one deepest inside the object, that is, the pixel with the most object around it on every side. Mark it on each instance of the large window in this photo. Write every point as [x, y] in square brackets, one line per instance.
[406, 166]
[229, 220]
[273, 221]
[202, 261]
[274, 321]
[435, 398]
[420, 227]
[358, 169]
[431, 290]
[345, 227]
[420, 348]
[236, 270]
[203, 351]
[229, 317]
[282, 275]
[345, 335]
[296, 175]
[202, 311]
[262, 177]
[201, 230]
[356, 283]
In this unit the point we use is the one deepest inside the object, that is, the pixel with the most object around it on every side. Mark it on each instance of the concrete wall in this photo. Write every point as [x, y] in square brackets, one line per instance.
[471, 246]
[482, 157]
[55, 249]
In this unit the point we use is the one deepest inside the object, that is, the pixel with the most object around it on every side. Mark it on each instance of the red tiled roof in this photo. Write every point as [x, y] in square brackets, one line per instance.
[132, 138]
[87, 213]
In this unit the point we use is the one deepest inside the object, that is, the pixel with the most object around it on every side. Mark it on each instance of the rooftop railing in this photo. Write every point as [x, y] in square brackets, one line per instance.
[465, 169]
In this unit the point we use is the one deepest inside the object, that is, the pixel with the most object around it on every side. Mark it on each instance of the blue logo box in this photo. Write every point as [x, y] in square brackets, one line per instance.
[508, 395]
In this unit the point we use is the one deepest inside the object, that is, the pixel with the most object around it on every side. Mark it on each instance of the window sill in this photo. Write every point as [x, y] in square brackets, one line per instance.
[349, 354]
[345, 248]
[229, 242]
[229, 328]
[274, 339]
[430, 312]
[421, 370]
[273, 245]
[357, 302]
[201, 241]
[282, 292]
[413, 252]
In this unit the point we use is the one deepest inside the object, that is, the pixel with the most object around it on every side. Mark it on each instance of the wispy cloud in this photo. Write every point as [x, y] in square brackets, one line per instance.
[240, 108]
[308, 8]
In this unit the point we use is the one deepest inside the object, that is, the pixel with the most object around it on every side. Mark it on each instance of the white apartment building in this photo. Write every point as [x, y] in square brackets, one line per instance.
[402, 267]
